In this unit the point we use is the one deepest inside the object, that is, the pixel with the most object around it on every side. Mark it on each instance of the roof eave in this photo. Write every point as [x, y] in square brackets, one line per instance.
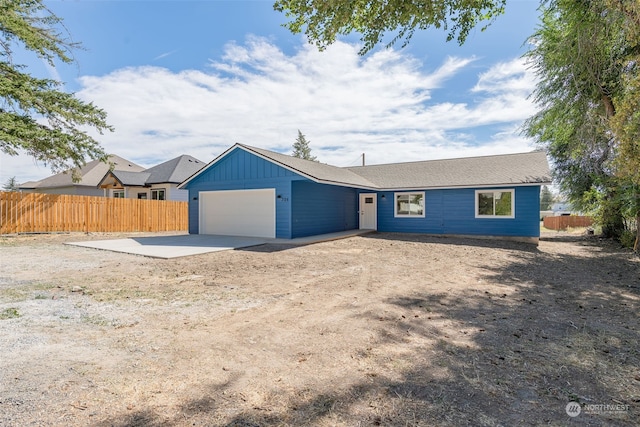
[453, 187]
[208, 165]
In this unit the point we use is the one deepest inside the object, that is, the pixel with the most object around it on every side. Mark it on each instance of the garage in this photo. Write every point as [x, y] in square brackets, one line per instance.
[238, 212]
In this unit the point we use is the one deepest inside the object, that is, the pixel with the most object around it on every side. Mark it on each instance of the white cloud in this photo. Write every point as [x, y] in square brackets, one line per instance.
[255, 94]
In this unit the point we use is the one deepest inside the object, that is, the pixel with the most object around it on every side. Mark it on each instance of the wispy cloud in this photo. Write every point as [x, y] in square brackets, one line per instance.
[164, 55]
[385, 105]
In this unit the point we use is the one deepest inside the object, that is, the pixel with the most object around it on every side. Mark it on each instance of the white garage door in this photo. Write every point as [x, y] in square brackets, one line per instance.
[238, 212]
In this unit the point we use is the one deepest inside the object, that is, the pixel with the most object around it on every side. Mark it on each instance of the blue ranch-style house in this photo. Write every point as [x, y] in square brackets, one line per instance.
[249, 191]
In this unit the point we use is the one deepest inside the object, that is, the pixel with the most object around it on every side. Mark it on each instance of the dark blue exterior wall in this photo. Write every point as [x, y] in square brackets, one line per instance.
[240, 170]
[452, 211]
[321, 208]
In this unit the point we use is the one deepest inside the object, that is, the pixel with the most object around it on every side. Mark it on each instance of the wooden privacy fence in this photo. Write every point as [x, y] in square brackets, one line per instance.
[564, 222]
[42, 213]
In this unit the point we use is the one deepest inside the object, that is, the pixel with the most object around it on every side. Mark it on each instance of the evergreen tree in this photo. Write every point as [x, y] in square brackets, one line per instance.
[36, 116]
[301, 148]
[546, 199]
[11, 184]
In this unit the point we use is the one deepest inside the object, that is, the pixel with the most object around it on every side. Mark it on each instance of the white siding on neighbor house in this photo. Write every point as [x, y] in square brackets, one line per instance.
[177, 195]
[77, 190]
[171, 192]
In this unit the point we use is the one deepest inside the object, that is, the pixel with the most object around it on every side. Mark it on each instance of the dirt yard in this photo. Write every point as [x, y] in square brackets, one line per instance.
[382, 329]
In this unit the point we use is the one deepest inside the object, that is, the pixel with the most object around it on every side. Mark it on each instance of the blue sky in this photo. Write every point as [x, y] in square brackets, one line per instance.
[195, 77]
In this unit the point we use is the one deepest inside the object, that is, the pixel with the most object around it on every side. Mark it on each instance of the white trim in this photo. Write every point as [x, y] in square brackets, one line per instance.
[497, 190]
[409, 215]
[157, 190]
[361, 208]
[462, 187]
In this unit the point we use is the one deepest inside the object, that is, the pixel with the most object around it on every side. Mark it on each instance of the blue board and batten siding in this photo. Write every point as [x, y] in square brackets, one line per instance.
[240, 170]
[304, 208]
[452, 211]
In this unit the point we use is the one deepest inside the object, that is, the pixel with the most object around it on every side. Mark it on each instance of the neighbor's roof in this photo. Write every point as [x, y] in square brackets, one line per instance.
[91, 174]
[130, 179]
[172, 171]
[506, 169]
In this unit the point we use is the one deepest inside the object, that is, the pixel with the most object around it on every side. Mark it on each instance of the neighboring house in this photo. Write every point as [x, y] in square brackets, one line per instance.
[91, 175]
[157, 183]
[563, 209]
[249, 191]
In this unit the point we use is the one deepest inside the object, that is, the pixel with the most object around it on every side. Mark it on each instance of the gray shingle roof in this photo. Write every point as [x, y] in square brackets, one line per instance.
[174, 170]
[92, 173]
[130, 179]
[319, 171]
[507, 169]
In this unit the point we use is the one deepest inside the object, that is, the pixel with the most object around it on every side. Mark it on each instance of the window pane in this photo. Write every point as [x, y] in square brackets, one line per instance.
[485, 203]
[503, 203]
[402, 204]
[417, 204]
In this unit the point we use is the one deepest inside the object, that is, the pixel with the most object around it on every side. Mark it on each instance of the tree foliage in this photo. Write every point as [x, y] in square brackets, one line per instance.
[546, 198]
[36, 116]
[11, 184]
[301, 148]
[322, 20]
[585, 54]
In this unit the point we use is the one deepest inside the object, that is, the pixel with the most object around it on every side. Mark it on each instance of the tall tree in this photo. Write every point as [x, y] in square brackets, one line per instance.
[546, 198]
[301, 148]
[583, 55]
[36, 116]
[324, 20]
[587, 53]
[11, 184]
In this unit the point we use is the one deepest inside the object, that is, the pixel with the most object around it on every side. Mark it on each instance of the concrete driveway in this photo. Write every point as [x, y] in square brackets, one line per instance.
[194, 244]
[172, 246]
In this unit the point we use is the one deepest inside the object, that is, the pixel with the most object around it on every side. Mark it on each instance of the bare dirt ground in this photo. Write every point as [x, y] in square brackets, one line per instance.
[382, 329]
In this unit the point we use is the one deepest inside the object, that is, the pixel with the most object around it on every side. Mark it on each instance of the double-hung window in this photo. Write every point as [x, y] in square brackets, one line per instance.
[495, 204]
[409, 205]
[118, 194]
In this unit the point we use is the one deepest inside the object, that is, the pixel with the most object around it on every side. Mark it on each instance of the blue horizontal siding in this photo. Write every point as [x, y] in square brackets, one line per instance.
[320, 208]
[453, 212]
[307, 208]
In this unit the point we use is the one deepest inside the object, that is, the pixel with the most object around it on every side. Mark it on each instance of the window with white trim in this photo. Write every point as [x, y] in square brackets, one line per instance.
[495, 204]
[409, 205]
[118, 194]
[157, 194]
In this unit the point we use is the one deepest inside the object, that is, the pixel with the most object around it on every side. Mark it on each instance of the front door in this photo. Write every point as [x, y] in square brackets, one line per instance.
[368, 211]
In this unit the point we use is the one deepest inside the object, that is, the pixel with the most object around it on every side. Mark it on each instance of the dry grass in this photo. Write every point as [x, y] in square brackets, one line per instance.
[390, 330]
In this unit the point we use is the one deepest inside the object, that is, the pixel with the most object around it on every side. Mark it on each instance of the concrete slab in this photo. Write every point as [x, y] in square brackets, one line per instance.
[172, 246]
[167, 247]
